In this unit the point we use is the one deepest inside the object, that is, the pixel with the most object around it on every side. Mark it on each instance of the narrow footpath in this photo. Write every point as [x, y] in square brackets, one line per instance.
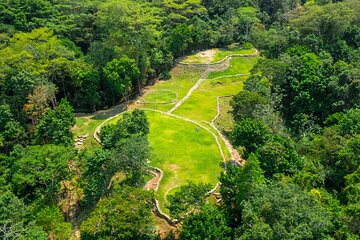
[153, 184]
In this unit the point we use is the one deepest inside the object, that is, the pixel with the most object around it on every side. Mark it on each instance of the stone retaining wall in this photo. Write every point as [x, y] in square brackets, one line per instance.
[219, 62]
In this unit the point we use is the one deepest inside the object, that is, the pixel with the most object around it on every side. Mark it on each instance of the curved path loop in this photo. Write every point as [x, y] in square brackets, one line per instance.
[153, 184]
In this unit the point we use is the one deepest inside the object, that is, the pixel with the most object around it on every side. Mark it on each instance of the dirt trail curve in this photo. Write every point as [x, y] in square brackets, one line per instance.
[153, 184]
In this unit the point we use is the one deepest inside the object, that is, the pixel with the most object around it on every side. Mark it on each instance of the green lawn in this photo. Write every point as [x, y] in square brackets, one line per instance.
[224, 52]
[216, 55]
[202, 104]
[183, 151]
[225, 122]
[87, 124]
[160, 96]
[238, 65]
[84, 126]
[182, 80]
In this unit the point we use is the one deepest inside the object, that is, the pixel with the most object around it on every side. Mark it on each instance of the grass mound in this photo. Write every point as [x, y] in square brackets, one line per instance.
[182, 80]
[216, 55]
[238, 65]
[160, 96]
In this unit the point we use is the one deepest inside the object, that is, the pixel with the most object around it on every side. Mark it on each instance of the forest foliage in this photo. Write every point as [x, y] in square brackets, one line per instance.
[297, 120]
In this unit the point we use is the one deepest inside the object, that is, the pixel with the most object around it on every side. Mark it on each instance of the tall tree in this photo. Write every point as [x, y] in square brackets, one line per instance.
[209, 223]
[280, 211]
[55, 125]
[125, 214]
[250, 133]
[121, 75]
[38, 102]
[239, 184]
[14, 222]
[247, 17]
[131, 124]
[38, 170]
[179, 40]
[329, 21]
[188, 199]
[278, 155]
[130, 28]
[52, 221]
[39, 52]
[244, 104]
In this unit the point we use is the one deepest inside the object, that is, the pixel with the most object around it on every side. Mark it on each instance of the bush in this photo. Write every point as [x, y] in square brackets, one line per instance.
[247, 45]
[165, 75]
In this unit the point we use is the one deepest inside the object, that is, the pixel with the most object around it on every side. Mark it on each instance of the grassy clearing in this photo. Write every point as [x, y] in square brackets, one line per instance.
[183, 151]
[225, 122]
[188, 154]
[238, 65]
[84, 126]
[222, 144]
[216, 55]
[160, 96]
[87, 124]
[182, 80]
[224, 52]
[202, 104]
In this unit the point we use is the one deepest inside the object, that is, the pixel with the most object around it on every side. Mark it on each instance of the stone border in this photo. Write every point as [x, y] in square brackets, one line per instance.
[162, 214]
[208, 70]
[143, 101]
[256, 53]
[157, 173]
[97, 129]
[146, 103]
[157, 210]
[229, 76]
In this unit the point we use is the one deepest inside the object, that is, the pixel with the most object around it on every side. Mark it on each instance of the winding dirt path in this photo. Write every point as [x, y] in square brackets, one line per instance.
[153, 184]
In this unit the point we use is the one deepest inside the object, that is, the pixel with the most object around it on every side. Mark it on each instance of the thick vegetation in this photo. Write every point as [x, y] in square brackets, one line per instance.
[296, 122]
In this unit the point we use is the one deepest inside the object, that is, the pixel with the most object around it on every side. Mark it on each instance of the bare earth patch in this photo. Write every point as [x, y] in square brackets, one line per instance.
[208, 55]
[202, 57]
